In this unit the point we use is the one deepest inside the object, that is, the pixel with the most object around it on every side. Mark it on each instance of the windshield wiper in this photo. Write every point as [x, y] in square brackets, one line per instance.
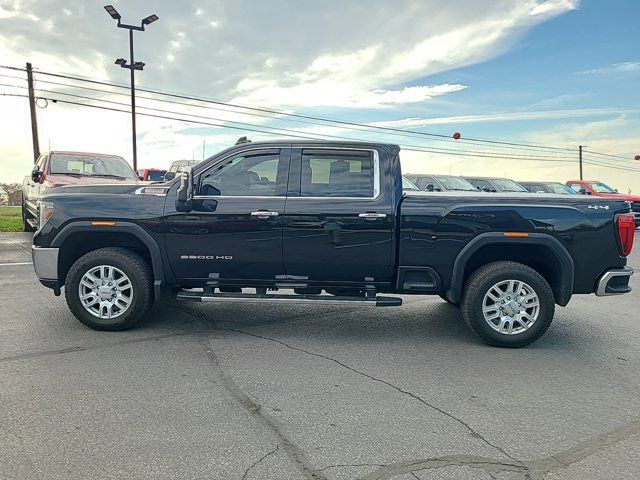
[106, 175]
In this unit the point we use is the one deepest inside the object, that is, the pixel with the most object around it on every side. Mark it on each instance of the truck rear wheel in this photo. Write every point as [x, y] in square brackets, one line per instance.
[507, 304]
[109, 289]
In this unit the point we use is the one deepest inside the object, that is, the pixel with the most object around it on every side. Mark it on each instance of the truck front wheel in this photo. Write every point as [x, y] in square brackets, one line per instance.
[507, 304]
[109, 289]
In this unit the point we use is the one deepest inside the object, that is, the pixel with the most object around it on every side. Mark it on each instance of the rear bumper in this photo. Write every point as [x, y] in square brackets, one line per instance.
[614, 282]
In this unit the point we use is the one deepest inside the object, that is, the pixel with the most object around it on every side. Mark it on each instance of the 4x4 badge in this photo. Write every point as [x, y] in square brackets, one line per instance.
[596, 207]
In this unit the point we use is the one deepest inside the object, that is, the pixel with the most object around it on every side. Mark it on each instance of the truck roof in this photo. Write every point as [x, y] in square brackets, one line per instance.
[295, 141]
[69, 152]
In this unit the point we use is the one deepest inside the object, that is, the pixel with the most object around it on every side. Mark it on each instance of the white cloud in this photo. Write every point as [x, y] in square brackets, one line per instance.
[616, 67]
[376, 56]
[554, 7]
[504, 117]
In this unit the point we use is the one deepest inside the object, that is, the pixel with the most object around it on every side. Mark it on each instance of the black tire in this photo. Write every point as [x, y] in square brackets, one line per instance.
[25, 216]
[140, 276]
[444, 297]
[481, 281]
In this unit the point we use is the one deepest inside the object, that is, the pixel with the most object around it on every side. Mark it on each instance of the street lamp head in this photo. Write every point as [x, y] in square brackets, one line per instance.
[113, 12]
[150, 19]
[138, 65]
[121, 61]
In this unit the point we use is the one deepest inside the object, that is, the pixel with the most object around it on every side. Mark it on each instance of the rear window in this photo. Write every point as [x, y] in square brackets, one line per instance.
[156, 176]
[337, 175]
[506, 185]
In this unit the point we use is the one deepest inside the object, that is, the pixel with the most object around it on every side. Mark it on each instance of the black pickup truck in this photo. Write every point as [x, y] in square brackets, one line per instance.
[327, 223]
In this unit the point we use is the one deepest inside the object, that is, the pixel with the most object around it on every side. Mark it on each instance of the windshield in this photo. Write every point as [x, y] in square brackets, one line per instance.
[600, 187]
[506, 185]
[91, 166]
[456, 183]
[408, 184]
[561, 189]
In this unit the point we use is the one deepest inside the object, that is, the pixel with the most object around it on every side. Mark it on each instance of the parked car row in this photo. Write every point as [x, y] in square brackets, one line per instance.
[446, 183]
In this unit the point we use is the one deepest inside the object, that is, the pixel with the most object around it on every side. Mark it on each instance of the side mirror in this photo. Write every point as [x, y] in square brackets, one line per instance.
[184, 199]
[140, 177]
[486, 189]
[430, 187]
[36, 174]
[169, 176]
[584, 191]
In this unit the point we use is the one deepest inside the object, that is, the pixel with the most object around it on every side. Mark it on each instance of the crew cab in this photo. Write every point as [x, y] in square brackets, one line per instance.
[55, 169]
[327, 223]
[597, 188]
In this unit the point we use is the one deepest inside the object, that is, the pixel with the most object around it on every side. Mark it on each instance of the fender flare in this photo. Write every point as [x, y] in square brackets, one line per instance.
[562, 292]
[127, 227]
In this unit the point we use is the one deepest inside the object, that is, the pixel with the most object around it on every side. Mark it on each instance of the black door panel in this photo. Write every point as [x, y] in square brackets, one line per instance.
[234, 231]
[333, 230]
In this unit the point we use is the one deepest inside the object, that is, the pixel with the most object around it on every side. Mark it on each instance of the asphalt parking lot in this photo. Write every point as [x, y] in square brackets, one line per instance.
[292, 392]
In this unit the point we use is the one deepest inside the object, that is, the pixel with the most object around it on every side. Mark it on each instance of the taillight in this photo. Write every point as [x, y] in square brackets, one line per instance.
[626, 228]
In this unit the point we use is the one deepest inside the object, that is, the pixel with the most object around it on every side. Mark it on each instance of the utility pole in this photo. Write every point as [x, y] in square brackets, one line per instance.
[134, 138]
[32, 108]
[580, 150]
[133, 66]
[203, 144]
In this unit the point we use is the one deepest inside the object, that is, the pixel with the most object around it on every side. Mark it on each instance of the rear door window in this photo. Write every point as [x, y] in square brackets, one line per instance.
[340, 174]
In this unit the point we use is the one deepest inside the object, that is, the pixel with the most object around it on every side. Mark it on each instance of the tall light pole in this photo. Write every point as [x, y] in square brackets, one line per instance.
[132, 66]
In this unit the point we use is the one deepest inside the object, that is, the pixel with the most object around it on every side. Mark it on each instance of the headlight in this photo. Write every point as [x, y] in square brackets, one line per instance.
[46, 211]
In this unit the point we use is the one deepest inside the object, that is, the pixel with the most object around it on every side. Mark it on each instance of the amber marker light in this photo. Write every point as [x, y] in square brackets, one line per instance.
[103, 223]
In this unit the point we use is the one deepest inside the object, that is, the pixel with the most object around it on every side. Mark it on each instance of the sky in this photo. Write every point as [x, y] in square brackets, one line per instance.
[561, 73]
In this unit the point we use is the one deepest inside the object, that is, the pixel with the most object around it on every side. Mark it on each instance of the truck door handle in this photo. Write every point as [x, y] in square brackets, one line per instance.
[264, 214]
[372, 215]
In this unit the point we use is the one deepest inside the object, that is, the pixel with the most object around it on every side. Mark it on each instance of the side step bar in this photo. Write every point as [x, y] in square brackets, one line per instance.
[32, 223]
[376, 301]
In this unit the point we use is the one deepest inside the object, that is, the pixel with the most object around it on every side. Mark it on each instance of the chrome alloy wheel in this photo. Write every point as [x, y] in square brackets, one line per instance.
[105, 291]
[511, 307]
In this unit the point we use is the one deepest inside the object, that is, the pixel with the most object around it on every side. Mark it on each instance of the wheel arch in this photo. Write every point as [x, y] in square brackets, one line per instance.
[79, 238]
[544, 253]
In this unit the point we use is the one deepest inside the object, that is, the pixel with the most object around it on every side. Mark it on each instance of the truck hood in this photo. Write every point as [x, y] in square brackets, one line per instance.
[109, 187]
[62, 180]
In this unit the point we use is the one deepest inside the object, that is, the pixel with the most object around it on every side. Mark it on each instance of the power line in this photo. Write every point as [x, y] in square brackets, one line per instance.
[610, 165]
[615, 167]
[609, 155]
[313, 135]
[508, 155]
[502, 144]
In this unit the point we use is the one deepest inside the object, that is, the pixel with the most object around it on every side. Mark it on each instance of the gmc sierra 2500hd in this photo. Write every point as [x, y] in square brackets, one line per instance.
[330, 222]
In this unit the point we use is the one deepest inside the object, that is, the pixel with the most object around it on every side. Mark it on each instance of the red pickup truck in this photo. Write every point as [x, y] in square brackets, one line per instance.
[56, 169]
[600, 189]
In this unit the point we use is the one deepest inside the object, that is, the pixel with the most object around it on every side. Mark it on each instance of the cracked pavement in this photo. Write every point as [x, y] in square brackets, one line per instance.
[299, 392]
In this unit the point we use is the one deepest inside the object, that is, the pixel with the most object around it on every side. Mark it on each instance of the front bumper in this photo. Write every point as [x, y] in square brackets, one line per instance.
[45, 263]
[614, 282]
